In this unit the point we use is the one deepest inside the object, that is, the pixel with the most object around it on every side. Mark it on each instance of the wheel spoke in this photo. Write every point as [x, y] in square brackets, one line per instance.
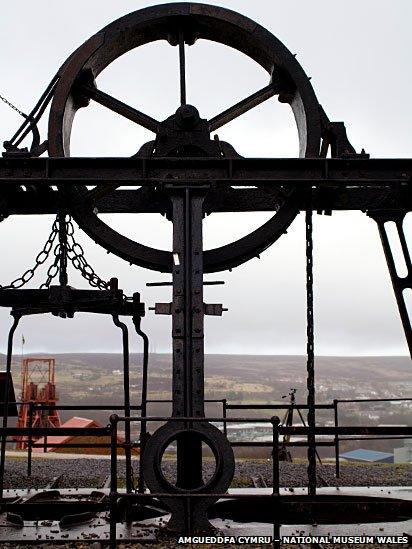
[120, 108]
[243, 106]
[99, 192]
[182, 65]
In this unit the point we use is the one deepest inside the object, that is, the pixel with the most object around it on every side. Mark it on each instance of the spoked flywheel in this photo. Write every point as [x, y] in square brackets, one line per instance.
[184, 133]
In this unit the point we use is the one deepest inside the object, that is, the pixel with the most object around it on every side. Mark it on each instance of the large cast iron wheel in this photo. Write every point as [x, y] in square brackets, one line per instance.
[165, 22]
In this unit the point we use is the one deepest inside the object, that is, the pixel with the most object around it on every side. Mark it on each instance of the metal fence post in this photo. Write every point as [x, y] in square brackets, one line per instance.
[275, 481]
[30, 440]
[224, 404]
[114, 418]
[337, 463]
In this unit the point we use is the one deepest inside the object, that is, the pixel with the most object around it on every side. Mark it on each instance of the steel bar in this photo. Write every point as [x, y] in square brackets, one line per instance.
[399, 284]
[13, 328]
[126, 397]
[107, 407]
[241, 443]
[243, 106]
[240, 171]
[267, 444]
[339, 400]
[52, 431]
[388, 437]
[342, 197]
[310, 365]
[113, 482]
[93, 445]
[224, 414]
[275, 481]
[319, 430]
[294, 431]
[32, 113]
[30, 440]
[120, 108]
[182, 68]
[187, 327]
[207, 400]
[144, 400]
[336, 421]
[276, 406]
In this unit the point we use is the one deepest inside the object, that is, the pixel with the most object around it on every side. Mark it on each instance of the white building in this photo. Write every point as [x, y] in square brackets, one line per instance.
[404, 454]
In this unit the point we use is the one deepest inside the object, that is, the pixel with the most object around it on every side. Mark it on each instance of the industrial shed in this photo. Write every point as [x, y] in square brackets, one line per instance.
[367, 456]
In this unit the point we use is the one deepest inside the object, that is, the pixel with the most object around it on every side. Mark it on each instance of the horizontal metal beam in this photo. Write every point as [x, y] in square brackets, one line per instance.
[276, 406]
[240, 171]
[226, 200]
[341, 184]
[53, 431]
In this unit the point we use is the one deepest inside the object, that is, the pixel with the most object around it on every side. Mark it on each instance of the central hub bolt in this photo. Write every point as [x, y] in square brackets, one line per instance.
[187, 116]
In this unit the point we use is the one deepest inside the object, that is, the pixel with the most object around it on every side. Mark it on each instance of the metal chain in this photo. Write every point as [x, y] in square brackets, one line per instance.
[54, 268]
[40, 259]
[7, 102]
[310, 355]
[75, 253]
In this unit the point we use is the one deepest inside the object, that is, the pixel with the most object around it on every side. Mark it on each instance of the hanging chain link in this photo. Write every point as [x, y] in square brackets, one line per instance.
[310, 355]
[53, 270]
[7, 102]
[40, 259]
[74, 252]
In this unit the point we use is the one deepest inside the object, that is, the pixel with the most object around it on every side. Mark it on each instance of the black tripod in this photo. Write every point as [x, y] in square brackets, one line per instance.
[287, 421]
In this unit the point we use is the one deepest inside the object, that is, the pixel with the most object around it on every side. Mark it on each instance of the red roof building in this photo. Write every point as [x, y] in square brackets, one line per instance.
[63, 440]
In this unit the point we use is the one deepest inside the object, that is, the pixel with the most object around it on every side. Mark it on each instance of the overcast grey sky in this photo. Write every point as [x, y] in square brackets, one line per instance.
[358, 55]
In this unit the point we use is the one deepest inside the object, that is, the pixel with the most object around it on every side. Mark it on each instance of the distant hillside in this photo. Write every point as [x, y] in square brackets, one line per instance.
[246, 366]
[96, 378]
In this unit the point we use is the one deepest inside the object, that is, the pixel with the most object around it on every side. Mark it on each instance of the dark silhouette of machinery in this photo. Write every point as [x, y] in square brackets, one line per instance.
[185, 174]
[38, 386]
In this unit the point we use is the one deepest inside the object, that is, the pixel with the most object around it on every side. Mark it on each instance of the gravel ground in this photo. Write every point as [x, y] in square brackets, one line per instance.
[93, 472]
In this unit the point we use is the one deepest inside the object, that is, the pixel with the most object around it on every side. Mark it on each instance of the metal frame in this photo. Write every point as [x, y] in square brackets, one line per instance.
[185, 189]
[276, 501]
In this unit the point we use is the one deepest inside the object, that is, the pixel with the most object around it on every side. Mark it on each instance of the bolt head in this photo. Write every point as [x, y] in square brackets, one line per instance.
[187, 116]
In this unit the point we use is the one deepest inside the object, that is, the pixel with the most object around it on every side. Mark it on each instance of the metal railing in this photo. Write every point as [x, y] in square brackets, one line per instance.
[338, 439]
[30, 432]
[335, 441]
[274, 499]
[336, 432]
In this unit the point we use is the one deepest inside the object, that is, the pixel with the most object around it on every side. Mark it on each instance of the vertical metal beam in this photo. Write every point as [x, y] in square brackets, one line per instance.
[337, 450]
[6, 400]
[310, 356]
[30, 440]
[224, 411]
[126, 397]
[275, 481]
[113, 481]
[187, 326]
[182, 66]
[143, 406]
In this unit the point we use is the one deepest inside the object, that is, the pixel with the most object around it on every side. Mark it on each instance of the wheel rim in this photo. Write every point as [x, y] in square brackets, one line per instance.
[206, 22]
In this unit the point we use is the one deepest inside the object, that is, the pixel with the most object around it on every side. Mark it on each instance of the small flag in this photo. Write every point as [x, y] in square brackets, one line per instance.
[23, 341]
